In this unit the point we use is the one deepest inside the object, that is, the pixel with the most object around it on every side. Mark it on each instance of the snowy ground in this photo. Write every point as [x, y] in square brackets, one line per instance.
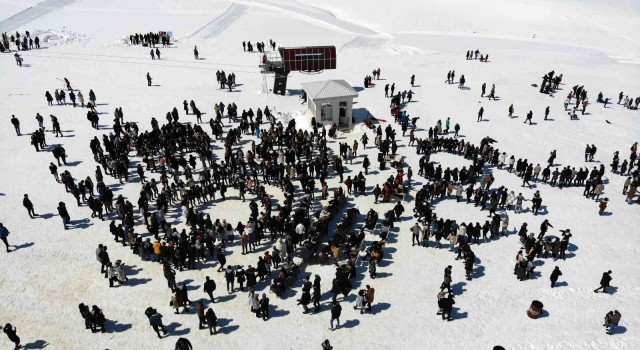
[590, 42]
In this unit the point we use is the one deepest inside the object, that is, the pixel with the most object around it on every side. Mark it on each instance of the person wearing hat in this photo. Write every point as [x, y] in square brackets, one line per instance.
[604, 282]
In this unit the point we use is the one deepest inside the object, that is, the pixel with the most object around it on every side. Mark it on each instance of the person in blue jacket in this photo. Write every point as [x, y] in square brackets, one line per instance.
[3, 236]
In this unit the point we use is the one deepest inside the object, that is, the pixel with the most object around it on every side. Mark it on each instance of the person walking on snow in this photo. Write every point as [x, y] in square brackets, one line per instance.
[155, 320]
[209, 287]
[16, 124]
[603, 205]
[529, 117]
[4, 233]
[26, 202]
[604, 282]
[554, 276]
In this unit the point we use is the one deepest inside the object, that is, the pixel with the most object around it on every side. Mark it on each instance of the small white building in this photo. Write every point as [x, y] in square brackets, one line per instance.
[330, 101]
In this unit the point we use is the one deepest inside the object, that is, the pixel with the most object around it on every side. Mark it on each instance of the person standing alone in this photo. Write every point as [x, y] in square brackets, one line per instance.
[3, 236]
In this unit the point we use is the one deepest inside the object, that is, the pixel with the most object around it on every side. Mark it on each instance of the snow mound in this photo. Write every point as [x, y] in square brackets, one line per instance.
[303, 121]
[378, 42]
[53, 37]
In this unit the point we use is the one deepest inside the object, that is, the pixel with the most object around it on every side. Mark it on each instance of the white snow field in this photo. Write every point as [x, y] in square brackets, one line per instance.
[592, 43]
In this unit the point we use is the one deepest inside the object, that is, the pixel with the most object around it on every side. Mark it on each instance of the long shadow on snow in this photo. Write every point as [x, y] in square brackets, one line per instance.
[116, 327]
[38, 344]
[172, 329]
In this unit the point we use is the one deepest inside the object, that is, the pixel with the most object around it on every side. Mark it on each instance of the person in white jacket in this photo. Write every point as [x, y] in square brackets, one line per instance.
[119, 271]
[505, 224]
[281, 157]
[462, 230]
[301, 231]
[361, 301]
[282, 247]
[111, 274]
[511, 200]
[502, 158]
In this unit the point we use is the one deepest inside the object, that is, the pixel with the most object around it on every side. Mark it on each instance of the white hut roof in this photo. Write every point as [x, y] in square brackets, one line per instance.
[329, 89]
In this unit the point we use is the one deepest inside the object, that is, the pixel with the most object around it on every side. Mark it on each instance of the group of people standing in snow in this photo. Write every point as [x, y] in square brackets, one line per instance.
[186, 173]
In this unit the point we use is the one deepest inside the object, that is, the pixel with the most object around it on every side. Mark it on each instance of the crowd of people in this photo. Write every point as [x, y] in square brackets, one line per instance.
[22, 43]
[178, 171]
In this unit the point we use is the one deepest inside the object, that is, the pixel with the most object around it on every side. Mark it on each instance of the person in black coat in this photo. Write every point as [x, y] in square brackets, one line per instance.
[335, 288]
[305, 300]
[306, 285]
[241, 278]
[398, 209]
[229, 275]
[336, 310]
[447, 306]
[554, 276]
[64, 214]
[16, 124]
[212, 321]
[221, 259]
[183, 344]
[264, 307]
[604, 282]
[98, 319]
[10, 331]
[262, 268]
[468, 264]
[26, 202]
[250, 274]
[316, 294]
[86, 315]
[209, 288]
